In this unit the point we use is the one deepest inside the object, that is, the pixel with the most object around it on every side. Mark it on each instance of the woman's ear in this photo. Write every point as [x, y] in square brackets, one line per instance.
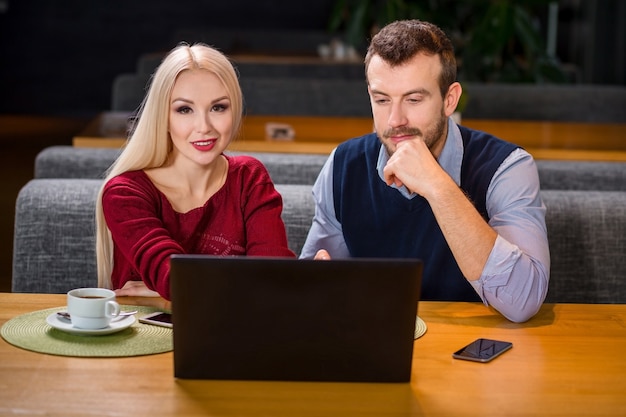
[451, 100]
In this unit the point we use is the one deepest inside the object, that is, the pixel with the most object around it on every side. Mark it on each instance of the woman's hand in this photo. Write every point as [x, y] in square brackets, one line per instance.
[135, 289]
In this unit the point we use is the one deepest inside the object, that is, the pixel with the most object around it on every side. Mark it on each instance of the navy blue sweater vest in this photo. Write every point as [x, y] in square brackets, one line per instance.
[378, 222]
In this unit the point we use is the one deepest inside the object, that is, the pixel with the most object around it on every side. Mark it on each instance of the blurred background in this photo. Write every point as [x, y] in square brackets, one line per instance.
[59, 57]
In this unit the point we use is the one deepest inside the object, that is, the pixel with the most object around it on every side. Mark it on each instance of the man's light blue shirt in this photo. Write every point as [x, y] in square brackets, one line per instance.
[515, 278]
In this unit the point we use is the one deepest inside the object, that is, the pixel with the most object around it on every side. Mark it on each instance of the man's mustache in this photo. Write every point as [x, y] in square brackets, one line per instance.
[403, 131]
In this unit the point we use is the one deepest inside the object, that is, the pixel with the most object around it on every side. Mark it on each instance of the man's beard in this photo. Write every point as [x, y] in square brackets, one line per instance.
[431, 137]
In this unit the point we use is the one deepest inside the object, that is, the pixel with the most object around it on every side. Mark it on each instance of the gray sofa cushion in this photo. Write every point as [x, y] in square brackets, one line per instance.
[587, 235]
[54, 241]
[298, 211]
[555, 102]
[75, 162]
[290, 168]
[296, 96]
[54, 238]
[127, 91]
[582, 175]
[306, 97]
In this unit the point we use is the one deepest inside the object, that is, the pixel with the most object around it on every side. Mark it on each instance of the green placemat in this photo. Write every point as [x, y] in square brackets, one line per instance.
[31, 332]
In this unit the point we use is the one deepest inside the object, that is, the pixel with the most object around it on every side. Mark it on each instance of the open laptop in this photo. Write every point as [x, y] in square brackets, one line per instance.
[255, 318]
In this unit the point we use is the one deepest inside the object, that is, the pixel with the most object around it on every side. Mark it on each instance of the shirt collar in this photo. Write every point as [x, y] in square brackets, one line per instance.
[450, 159]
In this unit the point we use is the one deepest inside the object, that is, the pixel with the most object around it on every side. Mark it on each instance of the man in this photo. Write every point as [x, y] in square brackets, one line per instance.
[421, 186]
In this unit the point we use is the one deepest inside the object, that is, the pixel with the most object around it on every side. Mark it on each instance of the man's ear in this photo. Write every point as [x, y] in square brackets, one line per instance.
[451, 100]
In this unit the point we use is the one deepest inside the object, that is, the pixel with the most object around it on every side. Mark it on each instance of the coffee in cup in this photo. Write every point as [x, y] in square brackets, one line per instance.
[92, 308]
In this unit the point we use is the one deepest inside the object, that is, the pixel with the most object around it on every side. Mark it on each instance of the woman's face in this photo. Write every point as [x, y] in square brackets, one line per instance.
[200, 117]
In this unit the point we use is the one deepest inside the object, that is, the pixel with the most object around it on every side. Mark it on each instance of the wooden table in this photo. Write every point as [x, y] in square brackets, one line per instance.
[544, 140]
[566, 361]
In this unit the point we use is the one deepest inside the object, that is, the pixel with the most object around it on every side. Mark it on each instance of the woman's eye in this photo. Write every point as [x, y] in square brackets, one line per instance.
[219, 108]
[183, 110]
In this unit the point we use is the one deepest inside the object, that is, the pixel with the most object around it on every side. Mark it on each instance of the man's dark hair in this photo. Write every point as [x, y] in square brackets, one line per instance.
[400, 41]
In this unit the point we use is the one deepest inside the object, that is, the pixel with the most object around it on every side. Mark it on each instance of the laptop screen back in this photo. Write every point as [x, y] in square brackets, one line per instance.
[250, 318]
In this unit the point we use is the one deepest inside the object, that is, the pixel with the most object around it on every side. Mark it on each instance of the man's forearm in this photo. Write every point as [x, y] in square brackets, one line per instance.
[468, 235]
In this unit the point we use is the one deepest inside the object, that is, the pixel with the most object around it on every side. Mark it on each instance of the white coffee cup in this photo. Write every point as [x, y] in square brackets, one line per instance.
[92, 308]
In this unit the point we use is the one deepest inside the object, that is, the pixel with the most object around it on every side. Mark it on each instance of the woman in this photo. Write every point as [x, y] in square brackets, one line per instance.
[172, 190]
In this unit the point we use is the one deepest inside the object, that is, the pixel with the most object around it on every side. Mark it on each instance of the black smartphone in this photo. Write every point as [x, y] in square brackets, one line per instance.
[158, 319]
[482, 350]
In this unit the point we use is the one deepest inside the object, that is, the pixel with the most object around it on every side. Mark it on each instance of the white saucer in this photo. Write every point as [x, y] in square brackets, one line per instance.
[115, 326]
[420, 327]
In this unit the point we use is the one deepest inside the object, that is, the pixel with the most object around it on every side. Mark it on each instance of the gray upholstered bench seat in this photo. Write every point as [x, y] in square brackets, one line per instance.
[76, 162]
[582, 175]
[587, 236]
[54, 238]
[72, 162]
[54, 241]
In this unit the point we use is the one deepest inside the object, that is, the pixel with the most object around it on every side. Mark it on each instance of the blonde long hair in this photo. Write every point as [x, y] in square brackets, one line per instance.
[149, 143]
